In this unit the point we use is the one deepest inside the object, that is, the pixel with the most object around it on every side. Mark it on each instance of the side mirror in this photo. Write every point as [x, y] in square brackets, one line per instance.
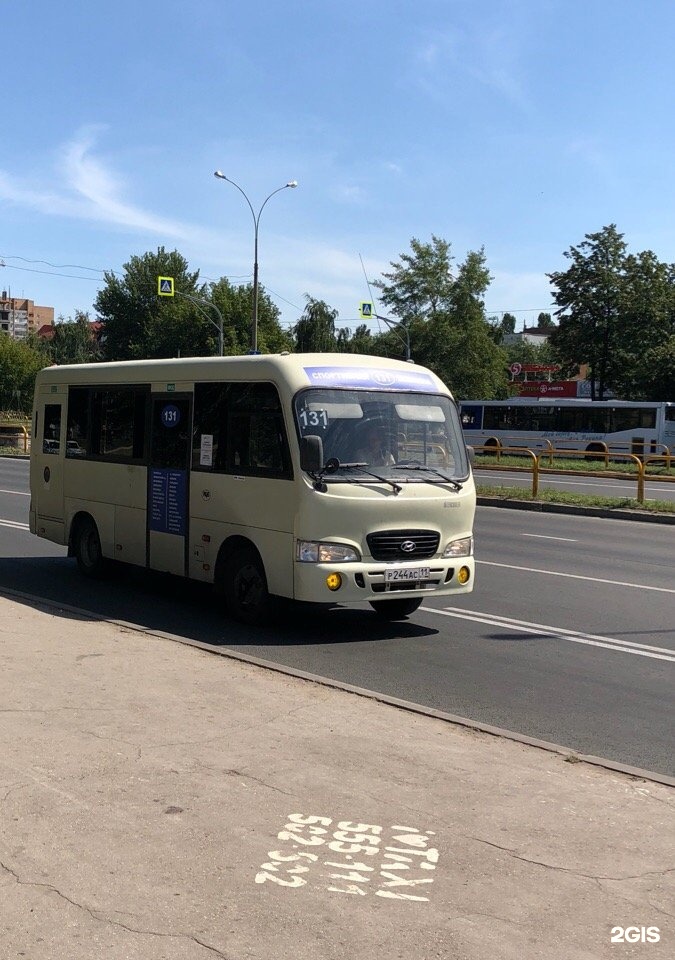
[311, 453]
[472, 454]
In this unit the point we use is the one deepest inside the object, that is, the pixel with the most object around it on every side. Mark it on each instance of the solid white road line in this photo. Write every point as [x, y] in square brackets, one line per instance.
[542, 536]
[575, 576]
[14, 524]
[17, 493]
[558, 633]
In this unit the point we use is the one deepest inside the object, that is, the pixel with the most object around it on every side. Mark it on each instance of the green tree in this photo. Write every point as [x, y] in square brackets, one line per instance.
[589, 295]
[524, 352]
[139, 324]
[235, 305]
[315, 330]
[646, 326]
[618, 315]
[72, 341]
[420, 283]
[655, 375]
[545, 321]
[362, 340]
[19, 365]
[445, 315]
[508, 323]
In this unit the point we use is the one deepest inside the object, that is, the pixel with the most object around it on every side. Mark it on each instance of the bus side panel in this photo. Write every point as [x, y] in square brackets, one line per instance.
[257, 509]
[130, 536]
[115, 495]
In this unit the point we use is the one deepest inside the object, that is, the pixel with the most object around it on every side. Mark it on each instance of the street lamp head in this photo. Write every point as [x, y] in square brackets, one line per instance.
[219, 174]
[292, 183]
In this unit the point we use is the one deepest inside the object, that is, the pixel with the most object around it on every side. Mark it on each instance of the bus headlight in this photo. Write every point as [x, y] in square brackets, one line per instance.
[459, 548]
[314, 551]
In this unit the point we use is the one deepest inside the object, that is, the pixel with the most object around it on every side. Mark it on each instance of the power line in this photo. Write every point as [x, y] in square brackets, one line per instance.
[50, 273]
[243, 276]
[79, 266]
[47, 263]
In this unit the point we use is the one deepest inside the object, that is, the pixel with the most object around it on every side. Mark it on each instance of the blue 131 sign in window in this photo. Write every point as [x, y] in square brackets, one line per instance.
[170, 415]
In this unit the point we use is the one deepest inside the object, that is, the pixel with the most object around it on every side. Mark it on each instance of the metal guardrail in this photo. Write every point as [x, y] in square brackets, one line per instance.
[646, 449]
[536, 458]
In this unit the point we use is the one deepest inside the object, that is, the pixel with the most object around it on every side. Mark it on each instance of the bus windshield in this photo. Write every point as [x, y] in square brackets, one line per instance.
[388, 430]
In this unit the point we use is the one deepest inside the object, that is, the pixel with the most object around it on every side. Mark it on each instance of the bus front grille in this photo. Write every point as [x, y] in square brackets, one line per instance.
[402, 545]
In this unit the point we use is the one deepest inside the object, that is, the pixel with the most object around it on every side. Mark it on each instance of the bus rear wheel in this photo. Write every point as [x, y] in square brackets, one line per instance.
[244, 587]
[599, 447]
[396, 609]
[87, 549]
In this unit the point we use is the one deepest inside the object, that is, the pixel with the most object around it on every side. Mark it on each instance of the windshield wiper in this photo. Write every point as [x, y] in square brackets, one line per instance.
[332, 465]
[362, 467]
[419, 466]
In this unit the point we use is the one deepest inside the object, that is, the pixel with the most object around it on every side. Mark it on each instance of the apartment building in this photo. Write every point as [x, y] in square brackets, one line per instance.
[19, 317]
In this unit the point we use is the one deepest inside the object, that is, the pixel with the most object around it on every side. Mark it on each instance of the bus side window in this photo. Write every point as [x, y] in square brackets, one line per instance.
[256, 441]
[246, 425]
[210, 420]
[77, 426]
[52, 428]
[107, 423]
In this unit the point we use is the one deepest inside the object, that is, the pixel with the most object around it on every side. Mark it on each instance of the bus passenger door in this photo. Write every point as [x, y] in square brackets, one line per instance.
[168, 478]
[47, 469]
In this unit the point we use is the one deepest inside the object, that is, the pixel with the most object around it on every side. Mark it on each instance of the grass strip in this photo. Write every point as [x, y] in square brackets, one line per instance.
[575, 499]
[577, 465]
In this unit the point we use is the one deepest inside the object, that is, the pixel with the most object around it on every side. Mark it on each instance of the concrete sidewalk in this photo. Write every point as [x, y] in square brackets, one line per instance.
[160, 803]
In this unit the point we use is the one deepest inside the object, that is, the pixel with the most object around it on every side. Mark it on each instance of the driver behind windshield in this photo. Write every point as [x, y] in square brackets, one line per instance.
[373, 448]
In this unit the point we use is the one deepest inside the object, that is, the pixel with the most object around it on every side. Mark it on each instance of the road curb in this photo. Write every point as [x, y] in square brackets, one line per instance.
[572, 510]
[569, 755]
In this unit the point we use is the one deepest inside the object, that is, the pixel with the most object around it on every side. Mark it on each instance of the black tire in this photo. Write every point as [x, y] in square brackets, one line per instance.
[396, 609]
[592, 447]
[244, 587]
[495, 446]
[87, 549]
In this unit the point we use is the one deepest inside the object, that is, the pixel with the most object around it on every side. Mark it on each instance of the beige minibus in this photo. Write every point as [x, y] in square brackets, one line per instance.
[329, 478]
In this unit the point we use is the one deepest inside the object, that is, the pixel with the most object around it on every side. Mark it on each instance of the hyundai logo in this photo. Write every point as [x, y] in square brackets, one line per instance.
[408, 546]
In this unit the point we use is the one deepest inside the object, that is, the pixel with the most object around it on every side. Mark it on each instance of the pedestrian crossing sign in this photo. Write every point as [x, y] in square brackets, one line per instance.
[165, 286]
[366, 310]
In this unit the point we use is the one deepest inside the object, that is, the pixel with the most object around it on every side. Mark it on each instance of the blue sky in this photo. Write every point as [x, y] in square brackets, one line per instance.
[515, 126]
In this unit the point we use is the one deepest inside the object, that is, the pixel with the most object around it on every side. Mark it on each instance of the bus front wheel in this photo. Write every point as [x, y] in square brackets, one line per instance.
[87, 549]
[244, 586]
[396, 609]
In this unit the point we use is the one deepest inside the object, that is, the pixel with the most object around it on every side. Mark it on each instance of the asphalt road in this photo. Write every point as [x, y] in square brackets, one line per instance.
[569, 635]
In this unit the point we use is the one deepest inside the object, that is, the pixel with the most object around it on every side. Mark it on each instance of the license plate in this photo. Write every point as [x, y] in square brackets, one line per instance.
[406, 573]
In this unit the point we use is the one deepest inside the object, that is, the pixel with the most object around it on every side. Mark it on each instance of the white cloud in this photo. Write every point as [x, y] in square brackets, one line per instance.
[89, 191]
[85, 187]
[489, 57]
[348, 193]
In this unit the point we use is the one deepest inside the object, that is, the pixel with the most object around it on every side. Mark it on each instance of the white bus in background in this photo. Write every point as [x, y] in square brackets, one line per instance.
[642, 428]
[250, 473]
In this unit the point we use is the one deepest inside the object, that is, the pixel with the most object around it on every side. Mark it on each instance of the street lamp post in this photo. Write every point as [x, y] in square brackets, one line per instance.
[207, 303]
[393, 325]
[256, 222]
